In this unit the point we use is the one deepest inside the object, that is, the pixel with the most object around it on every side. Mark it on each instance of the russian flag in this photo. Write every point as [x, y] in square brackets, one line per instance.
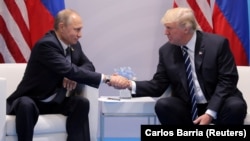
[41, 16]
[230, 19]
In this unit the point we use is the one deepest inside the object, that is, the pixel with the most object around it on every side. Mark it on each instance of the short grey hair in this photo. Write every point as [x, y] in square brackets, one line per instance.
[63, 16]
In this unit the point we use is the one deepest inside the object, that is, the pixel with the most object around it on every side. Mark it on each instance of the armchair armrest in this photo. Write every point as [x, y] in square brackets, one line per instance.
[92, 94]
[3, 84]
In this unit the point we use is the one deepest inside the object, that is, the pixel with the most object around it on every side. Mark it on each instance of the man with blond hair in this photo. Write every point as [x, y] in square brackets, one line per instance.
[208, 72]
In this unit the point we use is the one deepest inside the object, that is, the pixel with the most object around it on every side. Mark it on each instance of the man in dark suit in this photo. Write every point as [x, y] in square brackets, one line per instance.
[214, 76]
[49, 74]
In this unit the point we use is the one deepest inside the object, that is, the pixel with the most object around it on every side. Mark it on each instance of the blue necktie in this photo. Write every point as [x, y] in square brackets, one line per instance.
[190, 82]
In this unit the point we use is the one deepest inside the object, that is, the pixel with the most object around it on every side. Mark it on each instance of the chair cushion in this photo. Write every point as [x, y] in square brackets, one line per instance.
[42, 137]
[51, 123]
[247, 119]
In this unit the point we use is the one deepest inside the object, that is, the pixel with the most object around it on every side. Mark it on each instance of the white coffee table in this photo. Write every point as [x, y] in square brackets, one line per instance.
[112, 106]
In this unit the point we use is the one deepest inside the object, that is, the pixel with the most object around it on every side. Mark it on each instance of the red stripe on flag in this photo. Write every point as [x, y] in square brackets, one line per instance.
[16, 14]
[40, 19]
[1, 58]
[201, 19]
[209, 3]
[175, 5]
[10, 42]
[199, 15]
[227, 31]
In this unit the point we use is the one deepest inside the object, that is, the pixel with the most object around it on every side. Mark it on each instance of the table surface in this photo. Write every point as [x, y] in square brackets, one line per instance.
[136, 105]
[134, 99]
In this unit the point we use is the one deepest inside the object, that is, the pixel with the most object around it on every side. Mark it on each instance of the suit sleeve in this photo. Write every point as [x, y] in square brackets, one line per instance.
[80, 70]
[226, 78]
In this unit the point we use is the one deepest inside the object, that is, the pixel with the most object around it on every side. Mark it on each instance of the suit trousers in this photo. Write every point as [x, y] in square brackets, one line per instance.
[76, 108]
[173, 111]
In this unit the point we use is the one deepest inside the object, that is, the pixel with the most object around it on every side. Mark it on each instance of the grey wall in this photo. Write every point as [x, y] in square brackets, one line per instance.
[120, 33]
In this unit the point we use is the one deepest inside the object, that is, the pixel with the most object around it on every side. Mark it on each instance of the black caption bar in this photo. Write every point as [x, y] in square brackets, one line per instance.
[201, 133]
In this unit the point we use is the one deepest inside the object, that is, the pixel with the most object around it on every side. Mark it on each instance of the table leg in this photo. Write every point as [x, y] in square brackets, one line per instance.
[154, 120]
[102, 127]
[148, 120]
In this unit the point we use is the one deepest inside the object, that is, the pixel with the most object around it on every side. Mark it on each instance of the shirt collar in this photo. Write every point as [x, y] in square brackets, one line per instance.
[63, 45]
[191, 43]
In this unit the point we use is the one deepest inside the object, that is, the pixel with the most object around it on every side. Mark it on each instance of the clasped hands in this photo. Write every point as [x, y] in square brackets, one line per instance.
[116, 81]
[119, 82]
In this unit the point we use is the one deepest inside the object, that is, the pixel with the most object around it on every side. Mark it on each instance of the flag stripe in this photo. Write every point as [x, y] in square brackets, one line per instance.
[232, 23]
[22, 7]
[201, 19]
[238, 19]
[206, 9]
[53, 6]
[16, 14]
[227, 18]
[234, 41]
[14, 31]
[38, 28]
[5, 54]
[202, 11]
[22, 23]
[10, 42]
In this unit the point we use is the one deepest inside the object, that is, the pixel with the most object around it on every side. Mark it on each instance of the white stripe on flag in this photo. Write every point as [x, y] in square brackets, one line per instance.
[14, 31]
[206, 10]
[203, 6]
[4, 51]
[22, 7]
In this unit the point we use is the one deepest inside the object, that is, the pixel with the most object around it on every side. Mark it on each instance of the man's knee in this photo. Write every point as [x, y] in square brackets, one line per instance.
[24, 103]
[82, 102]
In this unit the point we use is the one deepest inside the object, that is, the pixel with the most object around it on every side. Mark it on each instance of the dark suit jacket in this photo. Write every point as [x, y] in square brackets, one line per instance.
[215, 68]
[48, 66]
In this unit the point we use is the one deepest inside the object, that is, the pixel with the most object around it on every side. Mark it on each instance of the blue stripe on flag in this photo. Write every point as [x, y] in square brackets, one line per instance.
[236, 13]
[249, 28]
[54, 6]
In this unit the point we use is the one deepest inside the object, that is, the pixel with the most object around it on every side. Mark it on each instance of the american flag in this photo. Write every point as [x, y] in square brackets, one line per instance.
[228, 18]
[22, 23]
[202, 10]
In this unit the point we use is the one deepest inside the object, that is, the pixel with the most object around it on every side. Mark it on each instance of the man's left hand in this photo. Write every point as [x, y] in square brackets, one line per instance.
[204, 119]
[69, 84]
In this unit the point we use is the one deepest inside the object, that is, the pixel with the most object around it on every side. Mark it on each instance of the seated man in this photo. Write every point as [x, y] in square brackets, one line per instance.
[50, 72]
[201, 71]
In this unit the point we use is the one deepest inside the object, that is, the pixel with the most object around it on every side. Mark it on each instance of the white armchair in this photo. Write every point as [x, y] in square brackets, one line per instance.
[49, 127]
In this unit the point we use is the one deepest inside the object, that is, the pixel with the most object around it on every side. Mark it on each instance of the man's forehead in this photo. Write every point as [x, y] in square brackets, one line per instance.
[170, 24]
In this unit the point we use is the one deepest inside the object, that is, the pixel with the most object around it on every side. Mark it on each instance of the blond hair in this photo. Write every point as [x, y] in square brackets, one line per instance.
[184, 17]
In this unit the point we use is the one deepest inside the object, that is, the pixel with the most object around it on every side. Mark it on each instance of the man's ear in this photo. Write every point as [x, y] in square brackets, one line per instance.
[61, 26]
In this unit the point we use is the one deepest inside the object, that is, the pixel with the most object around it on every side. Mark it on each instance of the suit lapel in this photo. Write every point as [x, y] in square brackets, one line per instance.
[181, 67]
[199, 56]
[58, 42]
[199, 51]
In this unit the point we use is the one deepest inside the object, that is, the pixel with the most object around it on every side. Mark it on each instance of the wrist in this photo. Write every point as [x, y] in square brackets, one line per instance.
[130, 85]
[107, 79]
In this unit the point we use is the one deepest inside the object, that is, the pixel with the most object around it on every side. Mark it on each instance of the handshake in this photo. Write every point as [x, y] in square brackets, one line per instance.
[121, 79]
[117, 81]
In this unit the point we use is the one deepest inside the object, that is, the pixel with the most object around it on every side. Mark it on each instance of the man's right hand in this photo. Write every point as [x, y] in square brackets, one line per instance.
[119, 82]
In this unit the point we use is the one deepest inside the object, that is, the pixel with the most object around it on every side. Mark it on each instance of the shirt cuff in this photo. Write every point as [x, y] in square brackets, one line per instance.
[133, 87]
[211, 113]
[102, 80]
